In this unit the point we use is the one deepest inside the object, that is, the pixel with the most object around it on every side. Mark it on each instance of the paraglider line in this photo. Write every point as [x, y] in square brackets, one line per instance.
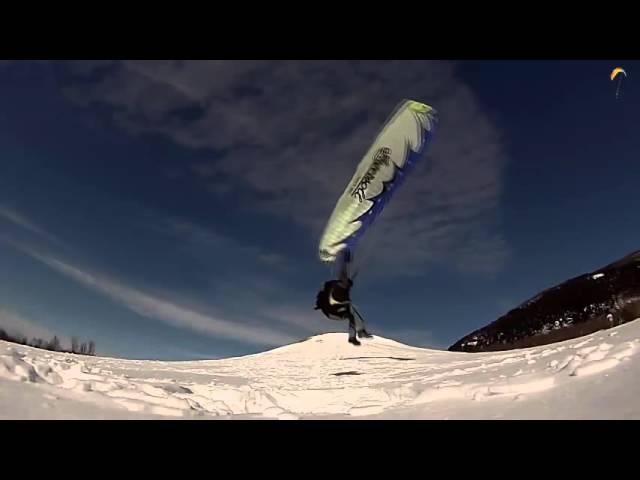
[355, 310]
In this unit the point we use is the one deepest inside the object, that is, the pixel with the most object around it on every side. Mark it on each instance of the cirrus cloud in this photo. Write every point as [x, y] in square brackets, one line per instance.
[157, 307]
[293, 131]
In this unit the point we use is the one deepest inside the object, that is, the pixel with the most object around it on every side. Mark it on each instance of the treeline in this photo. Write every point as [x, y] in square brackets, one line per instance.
[54, 345]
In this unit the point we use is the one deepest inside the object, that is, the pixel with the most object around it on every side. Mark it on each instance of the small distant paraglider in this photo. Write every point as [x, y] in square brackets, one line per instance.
[618, 73]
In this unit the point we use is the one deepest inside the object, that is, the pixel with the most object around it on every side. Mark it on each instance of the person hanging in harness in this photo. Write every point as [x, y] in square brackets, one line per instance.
[334, 301]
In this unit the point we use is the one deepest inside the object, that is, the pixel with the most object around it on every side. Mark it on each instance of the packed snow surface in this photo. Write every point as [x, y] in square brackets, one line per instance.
[324, 377]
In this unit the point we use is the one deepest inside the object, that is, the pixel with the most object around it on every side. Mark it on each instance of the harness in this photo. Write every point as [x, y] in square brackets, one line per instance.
[332, 307]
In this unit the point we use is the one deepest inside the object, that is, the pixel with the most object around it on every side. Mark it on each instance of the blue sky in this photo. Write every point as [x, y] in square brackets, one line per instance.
[172, 210]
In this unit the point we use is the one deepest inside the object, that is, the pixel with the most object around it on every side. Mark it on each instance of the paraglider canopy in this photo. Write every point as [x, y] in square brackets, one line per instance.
[396, 148]
[616, 71]
[619, 73]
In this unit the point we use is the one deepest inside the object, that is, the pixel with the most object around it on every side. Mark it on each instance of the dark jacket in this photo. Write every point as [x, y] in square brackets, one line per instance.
[334, 299]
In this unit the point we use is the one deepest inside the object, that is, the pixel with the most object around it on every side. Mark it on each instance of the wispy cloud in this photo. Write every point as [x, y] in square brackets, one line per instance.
[305, 320]
[21, 220]
[293, 132]
[17, 324]
[207, 243]
[152, 306]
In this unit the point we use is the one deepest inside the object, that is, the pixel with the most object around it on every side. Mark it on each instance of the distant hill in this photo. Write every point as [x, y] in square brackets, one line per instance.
[54, 345]
[593, 301]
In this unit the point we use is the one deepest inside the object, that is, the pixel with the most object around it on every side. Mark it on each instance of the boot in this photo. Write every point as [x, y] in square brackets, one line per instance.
[364, 334]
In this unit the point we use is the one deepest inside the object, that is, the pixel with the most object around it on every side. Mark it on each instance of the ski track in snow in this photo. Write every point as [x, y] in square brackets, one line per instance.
[325, 377]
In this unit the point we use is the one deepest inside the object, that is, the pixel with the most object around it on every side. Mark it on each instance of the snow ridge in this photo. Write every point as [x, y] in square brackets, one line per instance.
[325, 377]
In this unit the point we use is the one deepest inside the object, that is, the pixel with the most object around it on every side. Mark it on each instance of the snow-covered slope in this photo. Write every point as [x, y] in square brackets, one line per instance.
[324, 377]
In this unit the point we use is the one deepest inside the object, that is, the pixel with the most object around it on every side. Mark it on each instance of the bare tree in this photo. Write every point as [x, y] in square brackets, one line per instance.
[92, 348]
[54, 344]
[74, 345]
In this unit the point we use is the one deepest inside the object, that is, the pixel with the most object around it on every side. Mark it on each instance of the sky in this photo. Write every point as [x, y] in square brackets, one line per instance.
[172, 209]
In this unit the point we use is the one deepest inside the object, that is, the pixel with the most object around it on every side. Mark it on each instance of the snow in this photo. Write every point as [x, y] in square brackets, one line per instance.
[594, 377]
[597, 275]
